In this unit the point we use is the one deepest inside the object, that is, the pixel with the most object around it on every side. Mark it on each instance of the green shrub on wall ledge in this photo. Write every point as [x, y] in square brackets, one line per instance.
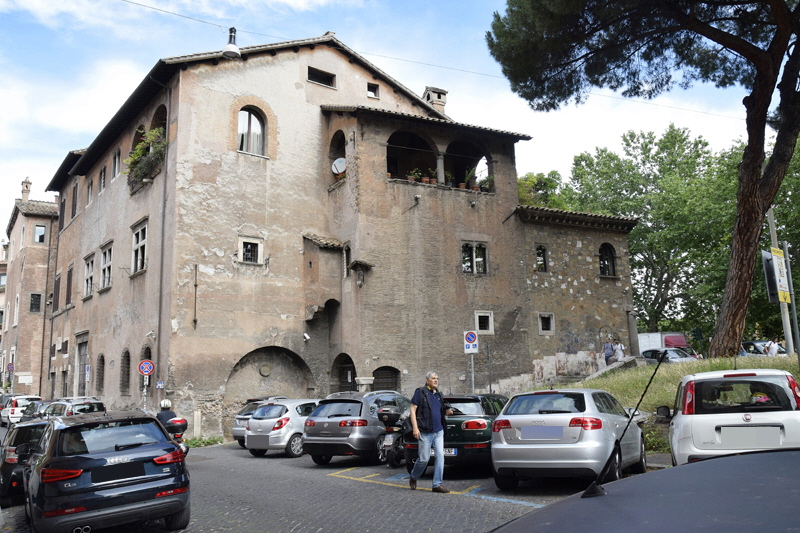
[146, 159]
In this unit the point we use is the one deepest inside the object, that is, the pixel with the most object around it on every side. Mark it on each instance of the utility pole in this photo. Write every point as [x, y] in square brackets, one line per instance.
[787, 328]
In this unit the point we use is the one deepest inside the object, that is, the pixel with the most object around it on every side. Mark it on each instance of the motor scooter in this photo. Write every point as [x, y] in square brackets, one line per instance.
[176, 427]
[393, 442]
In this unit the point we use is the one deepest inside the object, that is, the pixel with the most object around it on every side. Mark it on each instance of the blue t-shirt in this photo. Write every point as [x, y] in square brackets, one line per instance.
[434, 404]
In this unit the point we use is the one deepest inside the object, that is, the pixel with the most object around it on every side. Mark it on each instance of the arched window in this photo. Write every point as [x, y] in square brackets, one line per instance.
[125, 374]
[386, 378]
[100, 374]
[541, 258]
[137, 137]
[607, 264]
[251, 132]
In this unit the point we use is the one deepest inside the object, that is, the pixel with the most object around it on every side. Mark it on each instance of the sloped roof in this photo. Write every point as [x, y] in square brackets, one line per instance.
[31, 208]
[378, 111]
[323, 242]
[560, 217]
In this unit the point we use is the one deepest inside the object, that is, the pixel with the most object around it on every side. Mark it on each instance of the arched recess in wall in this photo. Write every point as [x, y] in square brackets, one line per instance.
[462, 160]
[336, 150]
[406, 152]
[100, 375]
[137, 137]
[386, 378]
[343, 374]
[125, 374]
[146, 354]
[159, 118]
[270, 371]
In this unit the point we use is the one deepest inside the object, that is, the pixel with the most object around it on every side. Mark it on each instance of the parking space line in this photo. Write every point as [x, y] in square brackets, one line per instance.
[474, 493]
[341, 474]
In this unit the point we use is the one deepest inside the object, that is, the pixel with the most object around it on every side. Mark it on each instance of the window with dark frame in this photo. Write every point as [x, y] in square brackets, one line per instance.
[473, 258]
[36, 303]
[607, 260]
[322, 77]
[546, 325]
[68, 294]
[101, 180]
[250, 252]
[39, 233]
[56, 293]
[373, 91]
[74, 211]
[541, 258]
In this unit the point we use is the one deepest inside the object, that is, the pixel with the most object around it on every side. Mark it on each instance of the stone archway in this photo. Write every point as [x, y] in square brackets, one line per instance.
[270, 371]
[343, 374]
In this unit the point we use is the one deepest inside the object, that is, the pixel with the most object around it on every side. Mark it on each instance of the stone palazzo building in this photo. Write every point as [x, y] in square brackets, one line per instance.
[276, 245]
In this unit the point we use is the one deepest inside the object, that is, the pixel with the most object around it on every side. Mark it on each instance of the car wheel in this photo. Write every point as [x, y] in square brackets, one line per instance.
[294, 448]
[180, 519]
[379, 454]
[641, 466]
[321, 459]
[5, 502]
[257, 453]
[505, 482]
[393, 458]
[241, 443]
[615, 468]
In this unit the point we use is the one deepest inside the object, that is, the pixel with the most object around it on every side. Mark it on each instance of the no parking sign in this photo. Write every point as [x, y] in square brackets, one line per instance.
[470, 342]
[146, 367]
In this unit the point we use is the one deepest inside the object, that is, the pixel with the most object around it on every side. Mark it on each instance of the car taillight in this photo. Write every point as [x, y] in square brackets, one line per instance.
[281, 423]
[309, 423]
[11, 455]
[499, 425]
[474, 424]
[247, 427]
[49, 475]
[688, 398]
[172, 492]
[744, 375]
[172, 457]
[586, 422]
[69, 413]
[14, 403]
[479, 445]
[61, 512]
[353, 423]
[795, 390]
[412, 446]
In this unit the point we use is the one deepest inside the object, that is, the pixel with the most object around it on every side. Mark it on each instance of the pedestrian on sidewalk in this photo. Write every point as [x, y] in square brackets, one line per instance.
[608, 350]
[428, 411]
[619, 350]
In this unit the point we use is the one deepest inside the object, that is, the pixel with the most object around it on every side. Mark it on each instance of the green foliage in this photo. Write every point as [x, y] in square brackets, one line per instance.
[654, 440]
[416, 174]
[540, 190]
[146, 157]
[199, 442]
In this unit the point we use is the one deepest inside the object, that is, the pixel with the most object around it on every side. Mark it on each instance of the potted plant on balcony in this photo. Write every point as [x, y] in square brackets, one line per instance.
[145, 161]
[414, 175]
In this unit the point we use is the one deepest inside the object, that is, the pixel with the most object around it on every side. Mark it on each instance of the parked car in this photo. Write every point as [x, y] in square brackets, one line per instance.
[98, 470]
[670, 355]
[732, 411]
[12, 411]
[468, 436]
[757, 348]
[278, 425]
[34, 410]
[564, 433]
[346, 423]
[244, 414]
[731, 490]
[74, 406]
[11, 463]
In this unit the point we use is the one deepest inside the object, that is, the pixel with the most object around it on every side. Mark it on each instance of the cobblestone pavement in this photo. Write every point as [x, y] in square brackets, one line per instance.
[234, 491]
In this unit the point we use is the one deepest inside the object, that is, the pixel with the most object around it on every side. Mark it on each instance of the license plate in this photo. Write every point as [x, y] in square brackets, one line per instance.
[541, 432]
[751, 437]
[388, 440]
[451, 451]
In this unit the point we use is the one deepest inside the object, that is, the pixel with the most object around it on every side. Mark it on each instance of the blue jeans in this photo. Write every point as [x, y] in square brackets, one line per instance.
[425, 442]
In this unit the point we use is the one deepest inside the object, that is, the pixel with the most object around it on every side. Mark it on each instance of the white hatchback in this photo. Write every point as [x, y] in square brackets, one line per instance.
[732, 411]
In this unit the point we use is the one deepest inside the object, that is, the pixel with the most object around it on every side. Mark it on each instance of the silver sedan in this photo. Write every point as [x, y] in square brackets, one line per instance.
[564, 433]
[278, 425]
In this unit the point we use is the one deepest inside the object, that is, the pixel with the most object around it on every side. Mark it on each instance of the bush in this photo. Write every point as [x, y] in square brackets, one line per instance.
[199, 442]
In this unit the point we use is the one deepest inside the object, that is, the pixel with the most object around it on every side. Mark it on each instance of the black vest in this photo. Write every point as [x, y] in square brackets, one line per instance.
[424, 415]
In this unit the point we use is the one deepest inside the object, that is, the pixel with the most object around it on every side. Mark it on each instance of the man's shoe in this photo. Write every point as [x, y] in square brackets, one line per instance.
[412, 483]
[440, 489]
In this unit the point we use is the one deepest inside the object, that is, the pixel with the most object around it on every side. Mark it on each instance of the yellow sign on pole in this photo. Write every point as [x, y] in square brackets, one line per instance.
[781, 277]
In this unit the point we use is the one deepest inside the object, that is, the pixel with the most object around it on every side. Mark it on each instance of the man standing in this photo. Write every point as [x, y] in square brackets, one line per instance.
[427, 420]
[608, 350]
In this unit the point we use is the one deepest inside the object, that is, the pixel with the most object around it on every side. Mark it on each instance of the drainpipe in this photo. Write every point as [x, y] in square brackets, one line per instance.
[50, 304]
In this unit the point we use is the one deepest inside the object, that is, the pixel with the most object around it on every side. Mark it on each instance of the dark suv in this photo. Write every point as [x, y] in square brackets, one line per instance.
[94, 471]
[346, 423]
[11, 463]
[468, 435]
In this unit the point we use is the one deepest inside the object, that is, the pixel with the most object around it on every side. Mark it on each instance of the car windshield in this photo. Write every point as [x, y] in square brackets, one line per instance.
[337, 408]
[109, 436]
[268, 411]
[89, 407]
[248, 409]
[463, 406]
[675, 353]
[736, 395]
[547, 403]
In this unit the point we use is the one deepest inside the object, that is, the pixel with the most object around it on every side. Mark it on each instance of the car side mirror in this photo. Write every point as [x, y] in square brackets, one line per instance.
[663, 411]
[632, 412]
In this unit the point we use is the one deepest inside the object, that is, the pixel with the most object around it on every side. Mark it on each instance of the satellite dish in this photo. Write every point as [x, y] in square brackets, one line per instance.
[339, 166]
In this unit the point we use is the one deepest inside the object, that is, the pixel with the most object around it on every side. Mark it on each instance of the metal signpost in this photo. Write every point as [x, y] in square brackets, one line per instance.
[470, 341]
[146, 368]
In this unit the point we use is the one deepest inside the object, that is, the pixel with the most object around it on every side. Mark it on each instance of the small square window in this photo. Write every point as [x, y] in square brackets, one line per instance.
[250, 252]
[484, 322]
[39, 234]
[321, 77]
[546, 324]
[373, 90]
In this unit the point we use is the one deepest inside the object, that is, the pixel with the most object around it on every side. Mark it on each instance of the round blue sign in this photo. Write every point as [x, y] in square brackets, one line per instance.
[471, 337]
[146, 367]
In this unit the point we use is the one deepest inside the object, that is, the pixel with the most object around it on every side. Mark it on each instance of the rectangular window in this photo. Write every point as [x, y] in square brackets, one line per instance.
[546, 324]
[62, 212]
[373, 91]
[68, 294]
[36, 303]
[101, 180]
[89, 185]
[251, 249]
[139, 261]
[484, 322]
[74, 210]
[88, 277]
[105, 268]
[473, 258]
[323, 78]
[39, 233]
[3, 281]
[541, 258]
[1, 318]
[116, 164]
[250, 252]
[56, 293]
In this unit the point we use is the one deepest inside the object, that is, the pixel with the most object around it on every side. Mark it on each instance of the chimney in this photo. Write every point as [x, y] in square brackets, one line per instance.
[436, 97]
[26, 189]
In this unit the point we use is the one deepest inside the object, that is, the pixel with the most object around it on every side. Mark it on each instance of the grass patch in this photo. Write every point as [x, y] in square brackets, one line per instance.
[199, 442]
[627, 385]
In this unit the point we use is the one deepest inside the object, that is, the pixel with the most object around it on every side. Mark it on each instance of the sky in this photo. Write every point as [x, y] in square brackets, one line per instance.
[66, 66]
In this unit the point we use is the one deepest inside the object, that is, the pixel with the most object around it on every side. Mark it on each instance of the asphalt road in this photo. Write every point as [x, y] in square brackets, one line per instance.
[234, 491]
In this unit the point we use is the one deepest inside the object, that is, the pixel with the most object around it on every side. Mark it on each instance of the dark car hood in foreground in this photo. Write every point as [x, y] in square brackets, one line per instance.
[749, 492]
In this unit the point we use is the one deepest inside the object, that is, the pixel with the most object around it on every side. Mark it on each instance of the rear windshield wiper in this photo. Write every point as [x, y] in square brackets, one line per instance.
[340, 414]
[553, 411]
[118, 447]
